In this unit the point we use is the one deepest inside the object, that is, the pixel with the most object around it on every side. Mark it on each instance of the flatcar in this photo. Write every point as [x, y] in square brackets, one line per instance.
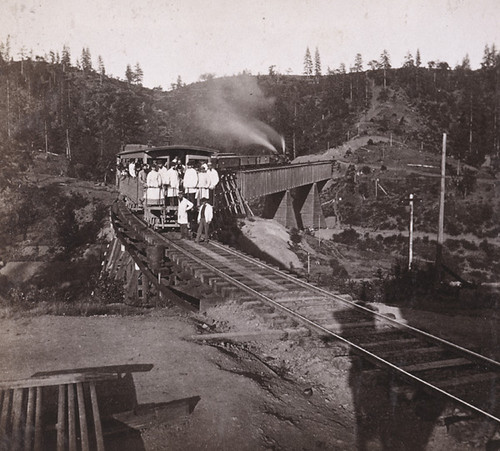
[151, 201]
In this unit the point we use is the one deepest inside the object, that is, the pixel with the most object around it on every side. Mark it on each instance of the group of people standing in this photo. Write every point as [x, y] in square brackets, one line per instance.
[196, 182]
[189, 189]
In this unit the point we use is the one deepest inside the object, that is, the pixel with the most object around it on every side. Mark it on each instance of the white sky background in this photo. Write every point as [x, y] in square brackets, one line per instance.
[224, 37]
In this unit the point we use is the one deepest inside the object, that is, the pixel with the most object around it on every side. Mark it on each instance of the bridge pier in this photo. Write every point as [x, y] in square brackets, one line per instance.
[291, 192]
[280, 206]
[311, 213]
[300, 207]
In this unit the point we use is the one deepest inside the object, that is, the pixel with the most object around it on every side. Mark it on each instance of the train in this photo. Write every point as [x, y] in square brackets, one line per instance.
[151, 202]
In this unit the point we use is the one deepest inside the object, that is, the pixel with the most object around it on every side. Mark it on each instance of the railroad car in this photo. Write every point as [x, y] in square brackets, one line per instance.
[150, 201]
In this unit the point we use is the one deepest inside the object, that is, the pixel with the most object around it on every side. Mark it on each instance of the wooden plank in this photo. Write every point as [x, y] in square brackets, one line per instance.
[17, 414]
[437, 364]
[409, 391]
[4, 414]
[82, 415]
[149, 415]
[339, 327]
[419, 351]
[61, 418]
[97, 418]
[117, 369]
[38, 420]
[30, 418]
[71, 418]
[464, 380]
[401, 341]
[61, 379]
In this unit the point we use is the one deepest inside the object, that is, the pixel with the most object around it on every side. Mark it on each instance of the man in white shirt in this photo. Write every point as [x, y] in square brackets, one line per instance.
[203, 184]
[190, 182]
[182, 214]
[163, 172]
[153, 179]
[172, 182]
[153, 182]
[205, 216]
[131, 168]
[213, 176]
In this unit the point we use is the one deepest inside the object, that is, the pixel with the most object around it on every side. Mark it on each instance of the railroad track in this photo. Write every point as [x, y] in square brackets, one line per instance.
[419, 358]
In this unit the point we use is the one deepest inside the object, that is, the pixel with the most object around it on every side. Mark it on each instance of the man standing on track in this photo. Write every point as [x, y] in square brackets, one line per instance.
[205, 216]
[182, 214]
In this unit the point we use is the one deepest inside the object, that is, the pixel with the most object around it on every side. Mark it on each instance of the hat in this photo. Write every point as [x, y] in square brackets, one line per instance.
[209, 163]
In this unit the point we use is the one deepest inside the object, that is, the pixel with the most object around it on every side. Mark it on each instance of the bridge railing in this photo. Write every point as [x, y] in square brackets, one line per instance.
[255, 183]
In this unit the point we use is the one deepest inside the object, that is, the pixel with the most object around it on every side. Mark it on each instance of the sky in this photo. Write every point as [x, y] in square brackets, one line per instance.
[188, 38]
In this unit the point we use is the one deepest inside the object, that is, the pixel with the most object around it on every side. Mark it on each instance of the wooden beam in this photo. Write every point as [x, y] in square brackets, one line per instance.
[30, 418]
[57, 380]
[97, 418]
[472, 379]
[71, 418]
[82, 415]
[61, 418]
[38, 420]
[437, 365]
[4, 415]
[17, 407]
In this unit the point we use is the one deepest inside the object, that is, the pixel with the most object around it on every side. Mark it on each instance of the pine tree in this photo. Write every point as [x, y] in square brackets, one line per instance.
[66, 57]
[129, 74]
[385, 63]
[317, 63]
[100, 66]
[418, 60]
[138, 74]
[308, 64]
[489, 56]
[358, 63]
[86, 60]
[6, 49]
[409, 62]
[385, 60]
[466, 63]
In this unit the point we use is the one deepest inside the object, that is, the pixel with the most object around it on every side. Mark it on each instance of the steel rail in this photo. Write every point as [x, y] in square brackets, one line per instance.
[318, 327]
[304, 284]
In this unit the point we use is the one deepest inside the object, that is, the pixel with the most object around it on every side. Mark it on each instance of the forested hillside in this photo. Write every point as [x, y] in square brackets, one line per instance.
[79, 111]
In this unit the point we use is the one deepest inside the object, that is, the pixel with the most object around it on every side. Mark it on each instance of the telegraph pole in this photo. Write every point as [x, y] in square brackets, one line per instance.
[440, 237]
[410, 244]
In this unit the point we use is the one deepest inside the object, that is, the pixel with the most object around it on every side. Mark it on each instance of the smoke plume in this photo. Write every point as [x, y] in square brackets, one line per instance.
[231, 109]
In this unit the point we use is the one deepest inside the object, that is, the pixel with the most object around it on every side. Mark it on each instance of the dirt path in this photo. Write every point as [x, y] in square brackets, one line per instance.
[243, 404]
[273, 395]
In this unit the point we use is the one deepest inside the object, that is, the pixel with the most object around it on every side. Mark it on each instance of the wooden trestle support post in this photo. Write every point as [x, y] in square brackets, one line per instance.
[119, 265]
[146, 274]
